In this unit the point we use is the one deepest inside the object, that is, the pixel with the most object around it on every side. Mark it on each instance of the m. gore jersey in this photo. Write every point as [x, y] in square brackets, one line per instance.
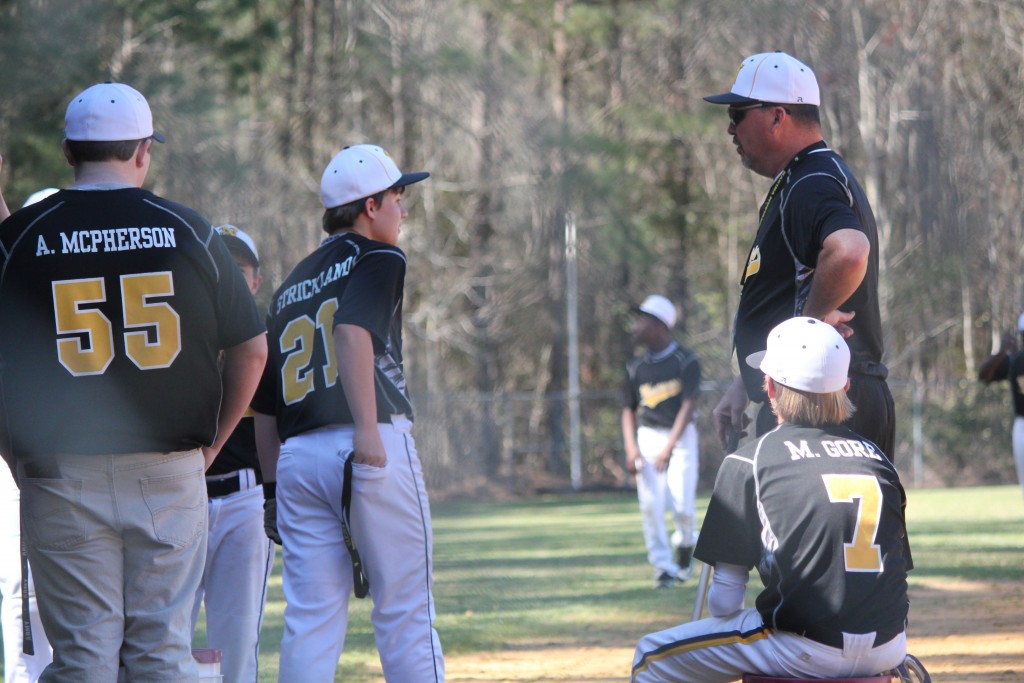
[349, 280]
[658, 383]
[821, 516]
[114, 305]
[814, 196]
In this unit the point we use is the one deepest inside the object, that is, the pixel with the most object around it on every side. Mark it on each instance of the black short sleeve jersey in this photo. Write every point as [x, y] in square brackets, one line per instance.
[349, 280]
[239, 451]
[114, 305]
[814, 196]
[820, 513]
[1011, 368]
[657, 384]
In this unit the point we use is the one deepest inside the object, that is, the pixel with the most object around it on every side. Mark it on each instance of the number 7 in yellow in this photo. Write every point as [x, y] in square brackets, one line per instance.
[862, 554]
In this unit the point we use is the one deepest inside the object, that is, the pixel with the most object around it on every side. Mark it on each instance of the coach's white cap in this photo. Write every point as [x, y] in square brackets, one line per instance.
[361, 171]
[239, 243]
[39, 196]
[661, 308]
[771, 77]
[806, 354]
[108, 112]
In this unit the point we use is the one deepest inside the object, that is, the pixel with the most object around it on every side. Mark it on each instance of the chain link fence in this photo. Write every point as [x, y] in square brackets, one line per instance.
[493, 445]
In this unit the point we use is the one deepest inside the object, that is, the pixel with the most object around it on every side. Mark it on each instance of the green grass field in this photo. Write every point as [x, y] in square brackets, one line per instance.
[561, 574]
[570, 572]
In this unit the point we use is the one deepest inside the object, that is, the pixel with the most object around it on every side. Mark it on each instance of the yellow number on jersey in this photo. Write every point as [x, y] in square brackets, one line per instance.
[87, 325]
[863, 554]
[144, 316]
[297, 343]
[85, 336]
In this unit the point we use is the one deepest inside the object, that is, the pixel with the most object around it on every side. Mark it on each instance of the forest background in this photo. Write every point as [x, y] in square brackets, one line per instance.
[533, 113]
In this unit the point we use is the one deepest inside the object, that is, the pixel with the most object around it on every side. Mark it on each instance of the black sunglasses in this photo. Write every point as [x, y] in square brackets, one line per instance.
[737, 114]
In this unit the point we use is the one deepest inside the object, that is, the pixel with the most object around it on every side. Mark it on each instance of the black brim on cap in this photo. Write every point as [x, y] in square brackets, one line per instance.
[410, 178]
[158, 136]
[730, 98]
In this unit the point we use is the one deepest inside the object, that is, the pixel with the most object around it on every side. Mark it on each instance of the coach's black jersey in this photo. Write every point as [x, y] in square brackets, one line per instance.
[1011, 368]
[114, 305]
[658, 383]
[349, 280]
[821, 516]
[814, 196]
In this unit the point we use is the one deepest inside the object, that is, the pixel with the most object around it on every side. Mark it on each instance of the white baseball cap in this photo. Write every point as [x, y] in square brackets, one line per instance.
[361, 171]
[108, 112]
[774, 77]
[39, 196]
[806, 354]
[239, 243]
[661, 308]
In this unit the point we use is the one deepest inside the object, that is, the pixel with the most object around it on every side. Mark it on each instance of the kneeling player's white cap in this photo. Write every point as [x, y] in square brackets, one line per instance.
[109, 112]
[361, 171]
[805, 354]
[659, 307]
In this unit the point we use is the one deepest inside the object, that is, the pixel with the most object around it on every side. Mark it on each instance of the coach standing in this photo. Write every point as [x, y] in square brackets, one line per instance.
[816, 248]
[114, 306]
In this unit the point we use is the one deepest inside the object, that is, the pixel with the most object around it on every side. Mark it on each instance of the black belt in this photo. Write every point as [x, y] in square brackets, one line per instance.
[218, 488]
[835, 638]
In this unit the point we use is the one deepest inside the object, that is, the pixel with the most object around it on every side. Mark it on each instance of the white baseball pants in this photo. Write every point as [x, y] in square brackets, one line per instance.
[239, 560]
[673, 490]
[18, 667]
[722, 649]
[391, 528]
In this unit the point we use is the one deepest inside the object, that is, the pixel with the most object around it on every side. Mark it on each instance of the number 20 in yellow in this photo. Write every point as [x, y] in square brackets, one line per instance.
[85, 336]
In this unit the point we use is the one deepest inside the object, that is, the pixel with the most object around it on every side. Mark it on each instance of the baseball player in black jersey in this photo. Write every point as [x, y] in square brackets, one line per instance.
[239, 556]
[660, 438]
[333, 427]
[815, 252]
[1008, 364]
[25, 655]
[819, 511]
[116, 307]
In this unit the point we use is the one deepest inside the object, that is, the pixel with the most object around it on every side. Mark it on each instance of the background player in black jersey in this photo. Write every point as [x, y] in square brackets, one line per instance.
[815, 252]
[819, 511]
[659, 405]
[1007, 363]
[115, 306]
[334, 393]
[19, 666]
[239, 556]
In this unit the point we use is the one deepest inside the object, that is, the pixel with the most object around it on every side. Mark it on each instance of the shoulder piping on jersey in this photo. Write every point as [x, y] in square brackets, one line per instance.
[14, 245]
[205, 243]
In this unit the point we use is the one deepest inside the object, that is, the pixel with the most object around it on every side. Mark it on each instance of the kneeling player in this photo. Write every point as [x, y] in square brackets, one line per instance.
[820, 512]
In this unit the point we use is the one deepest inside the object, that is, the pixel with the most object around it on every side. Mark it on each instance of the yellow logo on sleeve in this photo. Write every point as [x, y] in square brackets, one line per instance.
[754, 263]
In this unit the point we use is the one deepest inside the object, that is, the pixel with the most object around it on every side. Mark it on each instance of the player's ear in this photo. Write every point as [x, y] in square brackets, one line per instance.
[66, 148]
[141, 151]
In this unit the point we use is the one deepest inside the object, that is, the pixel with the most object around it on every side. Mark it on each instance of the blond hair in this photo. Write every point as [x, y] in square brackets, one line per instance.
[808, 408]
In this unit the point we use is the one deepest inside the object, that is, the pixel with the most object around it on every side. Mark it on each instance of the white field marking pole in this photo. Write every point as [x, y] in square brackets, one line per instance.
[572, 316]
[702, 590]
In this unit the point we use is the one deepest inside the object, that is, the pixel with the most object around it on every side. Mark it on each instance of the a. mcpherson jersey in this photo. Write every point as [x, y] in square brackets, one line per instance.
[657, 383]
[350, 280]
[821, 515]
[114, 305]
